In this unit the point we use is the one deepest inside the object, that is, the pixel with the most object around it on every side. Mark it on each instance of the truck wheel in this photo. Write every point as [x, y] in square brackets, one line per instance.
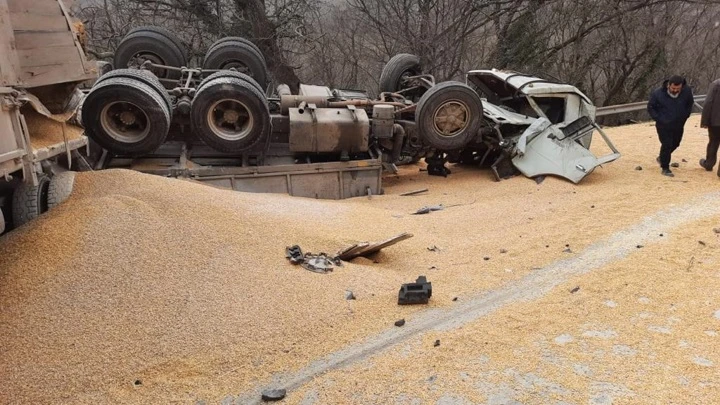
[29, 201]
[143, 76]
[154, 44]
[237, 39]
[126, 116]
[449, 115]
[239, 56]
[59, 188]
[398, 68]
[237, 75]
[230, 115]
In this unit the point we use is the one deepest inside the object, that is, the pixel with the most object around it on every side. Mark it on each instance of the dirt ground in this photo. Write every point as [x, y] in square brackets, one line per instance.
[141, 289]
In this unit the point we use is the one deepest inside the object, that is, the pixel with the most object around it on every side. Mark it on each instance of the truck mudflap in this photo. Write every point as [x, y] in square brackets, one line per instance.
[545, 149]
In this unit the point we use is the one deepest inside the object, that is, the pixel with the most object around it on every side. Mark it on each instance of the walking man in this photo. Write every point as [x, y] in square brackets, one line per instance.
[670, 106]
[710, 119]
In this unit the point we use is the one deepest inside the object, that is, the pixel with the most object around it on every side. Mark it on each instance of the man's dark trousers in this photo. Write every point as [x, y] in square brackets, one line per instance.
[712, 148]
[670, 137]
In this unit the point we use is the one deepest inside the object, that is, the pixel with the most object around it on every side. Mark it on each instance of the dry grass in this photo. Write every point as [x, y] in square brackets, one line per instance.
[186, 287]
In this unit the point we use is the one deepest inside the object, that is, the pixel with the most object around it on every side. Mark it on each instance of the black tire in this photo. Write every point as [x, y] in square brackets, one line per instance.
[231, 95]
[144, 76]
[238, 55]
[237, 75]
[29, 201]
[60, 188]
[126, 116]
[155, 44]
[458, 106]
[237, 39]
[398, 67]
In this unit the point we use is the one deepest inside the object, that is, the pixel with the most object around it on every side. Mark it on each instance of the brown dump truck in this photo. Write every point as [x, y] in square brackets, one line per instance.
[42, 62]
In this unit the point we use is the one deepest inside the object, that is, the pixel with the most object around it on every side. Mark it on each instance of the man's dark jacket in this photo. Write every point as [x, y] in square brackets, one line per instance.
[711, 108]
[668, 111]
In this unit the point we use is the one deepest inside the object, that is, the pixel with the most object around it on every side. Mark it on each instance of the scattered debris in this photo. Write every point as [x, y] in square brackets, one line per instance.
[567, 250]
[684, 161]
[418, 292]
[437, 343]
[716, 230]
[349, 295]
[592, 206]
[455, 298]
[400, 322]
[691, 264]
[702, 243]
[137, 383]
[430, 208]
[433, 248]
[638, 167]
[414, 192]
[574, 290]
[273, 394]
[539, 179]
[294, 254]
[432, 268]
[503, 251]
[674, 164]
[367, 248]
[662, 234]
[320, 263]
[639, 246]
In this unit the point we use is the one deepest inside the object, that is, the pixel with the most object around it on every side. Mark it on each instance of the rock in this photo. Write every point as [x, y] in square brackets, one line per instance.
[639, 246]
[400, 322]
[574, 290]
[455, 299]
[137, 383]
[486, 258]
[539, 179]
[716, 230]
[349, 295]
[273, 394]
[674, 164]
[702, 243]
[503, 250]
[567, 250]
[662, 234]
[684, 161]
[638, 167]
[437, 343]
[592, 206]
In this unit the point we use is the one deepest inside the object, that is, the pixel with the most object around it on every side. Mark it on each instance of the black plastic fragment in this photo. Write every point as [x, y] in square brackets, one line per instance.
[418, 292]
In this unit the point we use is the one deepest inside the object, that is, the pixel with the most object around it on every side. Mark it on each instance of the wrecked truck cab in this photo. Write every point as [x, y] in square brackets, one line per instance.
[542, 127]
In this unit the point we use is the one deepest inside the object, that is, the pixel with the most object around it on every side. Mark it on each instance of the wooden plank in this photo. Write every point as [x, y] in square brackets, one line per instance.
[37, 7]
[46, 56]
[25, 40]
[8, 58]
[38, 22]
[53, 74]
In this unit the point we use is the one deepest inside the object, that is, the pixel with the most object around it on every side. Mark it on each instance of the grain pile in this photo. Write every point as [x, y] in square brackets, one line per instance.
[184, 289]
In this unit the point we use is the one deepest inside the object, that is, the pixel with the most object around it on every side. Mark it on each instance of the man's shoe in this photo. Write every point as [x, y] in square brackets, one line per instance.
[667, 172]
[702, 164]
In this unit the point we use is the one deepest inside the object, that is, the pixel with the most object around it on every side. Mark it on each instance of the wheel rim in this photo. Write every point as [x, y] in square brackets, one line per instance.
[141, 57]
[451, 118]
[125, 122]
[230, 120]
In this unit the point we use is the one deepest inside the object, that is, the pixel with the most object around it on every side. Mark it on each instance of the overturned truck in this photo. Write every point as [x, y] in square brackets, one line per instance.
[224, 123]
